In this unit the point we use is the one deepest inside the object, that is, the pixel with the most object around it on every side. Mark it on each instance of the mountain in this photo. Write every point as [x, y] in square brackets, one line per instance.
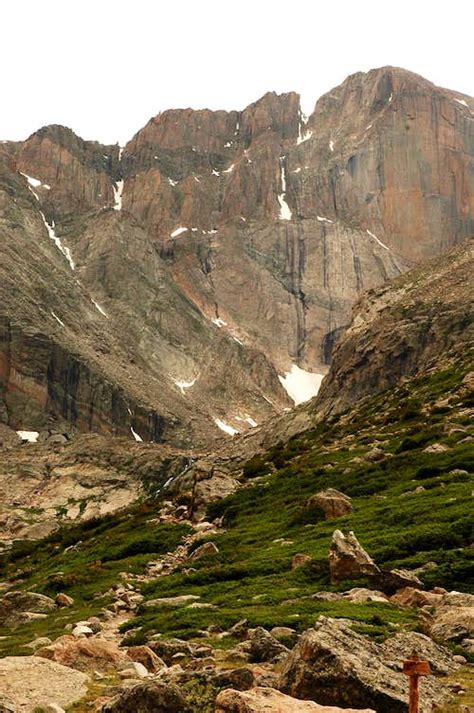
[161, 289]
[371, 481]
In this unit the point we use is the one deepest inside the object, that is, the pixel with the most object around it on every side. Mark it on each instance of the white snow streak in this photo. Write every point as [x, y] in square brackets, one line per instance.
[230, 169]
[178, 231]
[118, 190]
[462, 101]
[331, 145]
[30, 436]
[301, 385]
[171, 182]
[297, 170]
[59, 321]
[182, 385]
[285, 212]
[377, 240]
[219, 322]
[65, 251]
[215, 173]
[225, 427]
[324, 220]
[120, 152]
[98, 307]
[135, 435]
[247, 419]
[33, 182]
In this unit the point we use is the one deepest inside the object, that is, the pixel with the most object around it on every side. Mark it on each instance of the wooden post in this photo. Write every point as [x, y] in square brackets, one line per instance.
[414, 668]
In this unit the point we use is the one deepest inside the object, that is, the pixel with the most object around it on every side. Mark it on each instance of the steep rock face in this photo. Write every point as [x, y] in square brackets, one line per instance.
[217, 249]
[399, 330]
[75, 174]
[399, 156]
[316, 211]
[97, 335]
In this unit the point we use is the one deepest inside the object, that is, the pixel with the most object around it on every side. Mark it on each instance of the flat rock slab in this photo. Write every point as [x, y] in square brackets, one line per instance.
[31, 682]
[269, 700]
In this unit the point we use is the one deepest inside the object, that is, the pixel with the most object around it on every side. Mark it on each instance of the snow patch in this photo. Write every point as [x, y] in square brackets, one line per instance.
[302, 137]
[30, 436]
[65, 251]
[197, 179]
[331, 145]
[377, 240]
[219, 322]
[118, 190]
[59, 321]
[247, 419]
[135, 435]
[178, 231]
[230, 169]
[182, 384]
[228, 144]
[390, 98]
[33, 182]
[324, 220]
[99, 308]
[301, 385]
[285, 212]
[462, 101]
[215, 173]
[225, 427]
[171, 182]
[297, 170]
[120, 153]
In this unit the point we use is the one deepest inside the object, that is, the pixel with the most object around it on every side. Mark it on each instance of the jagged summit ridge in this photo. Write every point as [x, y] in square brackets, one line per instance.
[215, 241]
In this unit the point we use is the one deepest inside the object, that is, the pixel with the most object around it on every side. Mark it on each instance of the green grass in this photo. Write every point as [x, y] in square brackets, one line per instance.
[84, 561]
[268, 522]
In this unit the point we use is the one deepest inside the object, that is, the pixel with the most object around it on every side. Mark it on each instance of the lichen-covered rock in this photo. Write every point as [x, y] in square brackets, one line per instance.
[260, 645]
[47, 682]
[270, 700]
[333, 665]
[16, 607]
[84, 654]
[149, 697]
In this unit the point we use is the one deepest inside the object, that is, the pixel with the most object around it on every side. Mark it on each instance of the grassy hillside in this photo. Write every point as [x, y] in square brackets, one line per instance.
[267, 522]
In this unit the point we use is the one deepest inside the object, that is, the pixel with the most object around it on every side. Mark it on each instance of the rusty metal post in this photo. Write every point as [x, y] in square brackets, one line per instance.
[414, 668]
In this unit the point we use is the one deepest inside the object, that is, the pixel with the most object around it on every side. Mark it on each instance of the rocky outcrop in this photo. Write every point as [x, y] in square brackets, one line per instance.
[49, 683]
[348, 559]
[398, 330]
[268, 699]
[333, 665]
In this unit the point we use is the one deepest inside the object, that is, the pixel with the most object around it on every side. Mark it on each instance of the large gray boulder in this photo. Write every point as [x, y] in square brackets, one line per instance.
[18, 607]
[149, 697]
[333, 665]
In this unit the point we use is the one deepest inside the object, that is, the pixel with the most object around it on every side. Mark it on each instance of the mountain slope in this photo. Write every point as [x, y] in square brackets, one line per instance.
[216, 251]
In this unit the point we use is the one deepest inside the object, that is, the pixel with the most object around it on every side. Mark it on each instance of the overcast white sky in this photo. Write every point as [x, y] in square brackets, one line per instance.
[104, 67]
